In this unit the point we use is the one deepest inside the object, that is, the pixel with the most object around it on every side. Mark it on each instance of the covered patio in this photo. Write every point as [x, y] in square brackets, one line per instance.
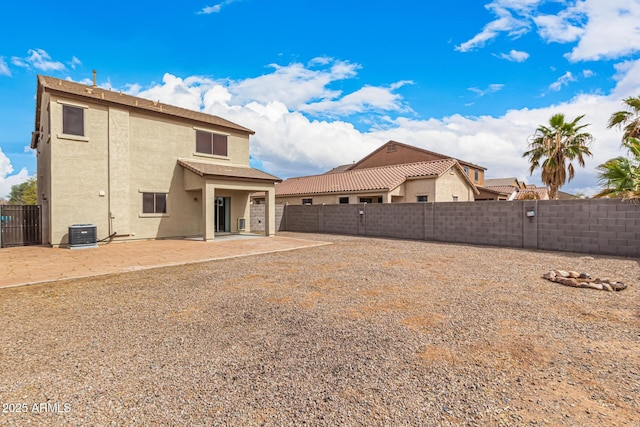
[225, 193]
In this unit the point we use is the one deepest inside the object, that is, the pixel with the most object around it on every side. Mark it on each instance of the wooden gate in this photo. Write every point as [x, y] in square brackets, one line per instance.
[20, 225]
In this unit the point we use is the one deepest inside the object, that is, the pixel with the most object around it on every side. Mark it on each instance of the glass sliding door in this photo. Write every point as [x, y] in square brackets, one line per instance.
[223, 215]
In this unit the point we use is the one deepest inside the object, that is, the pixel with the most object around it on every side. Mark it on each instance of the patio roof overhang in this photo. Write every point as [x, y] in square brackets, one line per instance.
[229, 173]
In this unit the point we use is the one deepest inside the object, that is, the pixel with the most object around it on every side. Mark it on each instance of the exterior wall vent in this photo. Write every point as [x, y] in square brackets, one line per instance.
[242, 224]
[83, 236]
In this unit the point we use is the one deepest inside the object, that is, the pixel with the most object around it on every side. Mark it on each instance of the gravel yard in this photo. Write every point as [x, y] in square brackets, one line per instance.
[361, 332]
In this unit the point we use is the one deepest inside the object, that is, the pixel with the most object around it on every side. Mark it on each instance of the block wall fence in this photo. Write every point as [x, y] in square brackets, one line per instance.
[593, 226]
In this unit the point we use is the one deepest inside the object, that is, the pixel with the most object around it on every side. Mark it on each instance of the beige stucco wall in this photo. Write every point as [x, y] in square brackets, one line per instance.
[452, 183]
[99, 179]
[43, 174]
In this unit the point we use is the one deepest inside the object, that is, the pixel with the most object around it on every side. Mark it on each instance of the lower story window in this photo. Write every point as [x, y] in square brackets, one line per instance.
[154, 203]
[455, 198]
[423, 198]
[371, 199]
[343, 200]
[307, 201]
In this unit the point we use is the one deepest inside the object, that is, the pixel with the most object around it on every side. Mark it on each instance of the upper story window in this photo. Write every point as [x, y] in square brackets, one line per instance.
[466, 170]
[72, 120]
[211, 143]
[475, 175]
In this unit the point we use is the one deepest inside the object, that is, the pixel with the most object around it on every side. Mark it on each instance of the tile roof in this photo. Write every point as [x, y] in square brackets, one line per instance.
[97, 94]
[507, 189]
[233, 172]
[540, 193]
[378, 178]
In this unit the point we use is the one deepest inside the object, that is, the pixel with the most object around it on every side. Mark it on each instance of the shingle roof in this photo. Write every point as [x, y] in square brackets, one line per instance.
[411, 147]
[369, 179]
[235, 172]
[100, 95]
[495, 182]
[341, 168]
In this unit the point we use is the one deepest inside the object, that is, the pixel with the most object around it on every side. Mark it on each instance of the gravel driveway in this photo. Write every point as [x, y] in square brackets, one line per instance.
[361, 332]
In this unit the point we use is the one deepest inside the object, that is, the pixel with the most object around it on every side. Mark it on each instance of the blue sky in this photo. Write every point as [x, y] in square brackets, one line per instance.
[325, 83]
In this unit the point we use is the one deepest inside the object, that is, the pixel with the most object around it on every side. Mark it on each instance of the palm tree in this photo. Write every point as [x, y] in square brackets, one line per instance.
[552, 146]
[620, 176]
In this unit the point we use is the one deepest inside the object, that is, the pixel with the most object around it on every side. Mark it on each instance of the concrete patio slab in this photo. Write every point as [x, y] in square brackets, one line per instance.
[37, 264]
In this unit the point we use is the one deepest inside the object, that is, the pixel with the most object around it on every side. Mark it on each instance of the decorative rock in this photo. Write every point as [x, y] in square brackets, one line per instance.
[567, 281]
[583, 280]
[597, 286]
[619, 286]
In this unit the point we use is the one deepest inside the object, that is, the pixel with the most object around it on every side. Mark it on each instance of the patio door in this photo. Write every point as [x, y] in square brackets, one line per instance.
[222, 215]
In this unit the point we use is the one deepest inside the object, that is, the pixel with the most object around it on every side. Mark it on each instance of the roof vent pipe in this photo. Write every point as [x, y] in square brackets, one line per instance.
[95, 84]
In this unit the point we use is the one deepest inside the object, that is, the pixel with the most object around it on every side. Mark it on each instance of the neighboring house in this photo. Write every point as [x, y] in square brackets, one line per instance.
[140, 169]
[396, 153]
[425, 181]
[531, 192]
[500, 189]
[567, 196]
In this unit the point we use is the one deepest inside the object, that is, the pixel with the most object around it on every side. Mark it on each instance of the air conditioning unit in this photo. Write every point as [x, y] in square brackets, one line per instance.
[83, 236]
[242, 224]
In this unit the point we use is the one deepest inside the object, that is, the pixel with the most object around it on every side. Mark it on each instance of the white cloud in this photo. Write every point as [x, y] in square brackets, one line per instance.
[295, 85]
[6, 179]
[492, 88]
[506, 22]
[38, 59]
[602, 29]
[563, 80]
[566, 26]
[588, 73]
[514, 56]
[4, 68]
[611, 31]
[289, 142]
[74, 62]
[207, 10]
[368, 98]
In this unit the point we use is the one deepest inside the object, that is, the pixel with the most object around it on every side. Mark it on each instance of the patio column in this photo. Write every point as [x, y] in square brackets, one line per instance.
[270, 212]
[208, 209]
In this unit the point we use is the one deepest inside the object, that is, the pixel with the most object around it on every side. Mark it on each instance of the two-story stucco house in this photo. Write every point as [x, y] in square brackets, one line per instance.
[139, 169]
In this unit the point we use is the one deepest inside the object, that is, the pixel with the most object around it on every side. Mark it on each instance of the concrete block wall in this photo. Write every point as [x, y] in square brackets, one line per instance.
[590, 226]
[303, 218]
[608, 227]
[257, 222]
[487, 223]
[400, 220]
[340, 219]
